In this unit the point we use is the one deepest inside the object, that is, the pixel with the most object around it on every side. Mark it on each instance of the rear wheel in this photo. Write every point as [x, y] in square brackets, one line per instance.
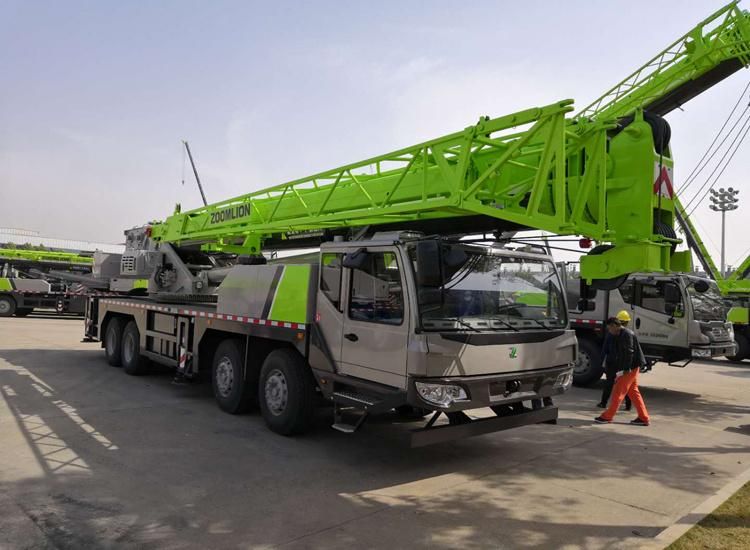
[588, 367]
[113, 341]
[286, 392]
[133, 362]
[23, 311]
[233, 392]
[7, 306]
[743, 348]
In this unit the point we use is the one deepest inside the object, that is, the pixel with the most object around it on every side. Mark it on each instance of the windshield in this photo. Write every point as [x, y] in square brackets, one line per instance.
[709, 305]
[495, 292]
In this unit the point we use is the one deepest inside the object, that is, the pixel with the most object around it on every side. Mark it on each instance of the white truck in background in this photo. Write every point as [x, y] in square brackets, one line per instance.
[677, 318]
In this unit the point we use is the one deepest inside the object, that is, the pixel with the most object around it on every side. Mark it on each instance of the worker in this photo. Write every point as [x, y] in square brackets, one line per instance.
[628, 363]
[608, 355]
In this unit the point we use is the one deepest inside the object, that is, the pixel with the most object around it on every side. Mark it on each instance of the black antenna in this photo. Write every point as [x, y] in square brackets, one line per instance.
[197, 179]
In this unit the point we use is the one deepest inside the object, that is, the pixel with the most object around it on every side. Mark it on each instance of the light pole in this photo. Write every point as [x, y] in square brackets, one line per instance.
[722, 201]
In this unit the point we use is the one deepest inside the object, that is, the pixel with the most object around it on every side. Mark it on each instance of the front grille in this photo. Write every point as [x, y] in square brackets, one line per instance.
[720, 333]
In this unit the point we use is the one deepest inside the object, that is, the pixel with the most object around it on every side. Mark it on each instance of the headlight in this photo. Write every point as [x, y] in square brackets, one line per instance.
[701, 353]
[442, 395]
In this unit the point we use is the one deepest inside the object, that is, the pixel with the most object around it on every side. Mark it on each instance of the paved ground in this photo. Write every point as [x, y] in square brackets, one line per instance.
[90, 457]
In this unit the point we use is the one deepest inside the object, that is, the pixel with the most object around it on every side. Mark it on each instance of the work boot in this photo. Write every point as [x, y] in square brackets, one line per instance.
[601, 420]
[601, 405]
[639, 422]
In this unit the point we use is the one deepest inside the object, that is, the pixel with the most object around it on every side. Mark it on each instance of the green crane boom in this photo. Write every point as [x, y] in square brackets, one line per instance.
[44, 256]
[594, 174]
[710, 52]
[736, 285]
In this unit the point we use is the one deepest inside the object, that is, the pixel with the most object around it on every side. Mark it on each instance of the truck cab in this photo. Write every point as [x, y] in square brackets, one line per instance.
[448, 326]
[677, 317]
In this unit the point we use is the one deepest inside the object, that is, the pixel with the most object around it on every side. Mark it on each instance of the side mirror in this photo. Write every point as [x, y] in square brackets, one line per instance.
[586, 305]
[429, 268]
[672, 294]
[588, 292]
[356, 259]
[670, 308]
[701, 286]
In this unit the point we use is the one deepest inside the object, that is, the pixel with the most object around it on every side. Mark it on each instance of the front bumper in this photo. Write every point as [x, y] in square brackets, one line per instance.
[496, 389]
[713, 350]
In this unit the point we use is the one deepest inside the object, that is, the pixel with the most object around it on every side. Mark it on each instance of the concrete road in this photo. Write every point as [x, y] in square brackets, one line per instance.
[93, 458]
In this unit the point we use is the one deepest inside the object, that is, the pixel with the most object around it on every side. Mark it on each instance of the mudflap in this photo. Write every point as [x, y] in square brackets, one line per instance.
[430, 434]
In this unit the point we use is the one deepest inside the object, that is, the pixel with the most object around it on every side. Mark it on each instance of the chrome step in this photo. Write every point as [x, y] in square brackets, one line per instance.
[355, 399]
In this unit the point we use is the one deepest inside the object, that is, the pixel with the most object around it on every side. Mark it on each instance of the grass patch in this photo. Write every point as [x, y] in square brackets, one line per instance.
[726, 527]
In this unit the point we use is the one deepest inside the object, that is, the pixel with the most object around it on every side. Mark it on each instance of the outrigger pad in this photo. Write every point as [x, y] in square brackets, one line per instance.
[439, 434]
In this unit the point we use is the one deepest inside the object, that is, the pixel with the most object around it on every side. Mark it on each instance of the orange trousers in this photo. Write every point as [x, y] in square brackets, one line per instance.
[627, 384]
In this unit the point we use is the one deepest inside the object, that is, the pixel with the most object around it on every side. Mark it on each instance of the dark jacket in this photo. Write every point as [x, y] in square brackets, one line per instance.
[608, 353]
[628, 353]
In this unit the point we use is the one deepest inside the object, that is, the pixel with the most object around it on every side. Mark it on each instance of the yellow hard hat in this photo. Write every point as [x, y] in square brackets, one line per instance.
[623, 315]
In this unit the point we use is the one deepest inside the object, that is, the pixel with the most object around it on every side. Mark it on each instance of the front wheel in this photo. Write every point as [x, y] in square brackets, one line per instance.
[286, 392]
[7, 306]
[588, 367]
[743, 348]
[233, 390]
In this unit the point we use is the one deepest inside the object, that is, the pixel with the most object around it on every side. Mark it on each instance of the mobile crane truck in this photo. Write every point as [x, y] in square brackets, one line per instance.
[398, 311]
[28, 281]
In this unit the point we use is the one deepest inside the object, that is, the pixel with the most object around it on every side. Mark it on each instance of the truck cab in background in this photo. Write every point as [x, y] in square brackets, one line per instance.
[677, 318]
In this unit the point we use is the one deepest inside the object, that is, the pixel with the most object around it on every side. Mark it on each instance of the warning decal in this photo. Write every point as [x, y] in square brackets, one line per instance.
[663, 181]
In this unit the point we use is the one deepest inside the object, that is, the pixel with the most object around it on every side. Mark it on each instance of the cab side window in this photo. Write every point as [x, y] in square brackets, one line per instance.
[330, 277]
[376, 294]
[661, 296]
[627, 291]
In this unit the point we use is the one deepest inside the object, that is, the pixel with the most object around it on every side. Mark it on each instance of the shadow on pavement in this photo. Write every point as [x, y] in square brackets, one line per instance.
[136, 461]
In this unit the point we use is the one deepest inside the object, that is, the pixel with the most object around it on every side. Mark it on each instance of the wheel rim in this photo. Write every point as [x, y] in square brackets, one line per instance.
[277, 392]
[583, 363]
[129, 347]
[4, 307]
[224, 376]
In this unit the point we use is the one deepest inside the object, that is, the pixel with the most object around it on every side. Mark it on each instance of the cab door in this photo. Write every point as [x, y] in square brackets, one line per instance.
[376, 319]
[659, 314]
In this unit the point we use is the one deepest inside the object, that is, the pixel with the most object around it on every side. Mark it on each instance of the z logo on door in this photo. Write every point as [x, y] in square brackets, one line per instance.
[513, 352]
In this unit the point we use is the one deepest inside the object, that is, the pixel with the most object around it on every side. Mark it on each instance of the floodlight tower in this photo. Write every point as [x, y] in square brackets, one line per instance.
[722, 201]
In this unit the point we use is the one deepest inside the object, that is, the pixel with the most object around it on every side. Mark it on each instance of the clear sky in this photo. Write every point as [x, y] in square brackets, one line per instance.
[96, 96]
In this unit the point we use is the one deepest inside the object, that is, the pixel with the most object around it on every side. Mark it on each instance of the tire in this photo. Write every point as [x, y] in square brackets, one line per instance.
[234, 393]
[743, 348]
[113, 341]
[606, 284]
[666, 231]
[23, 311]
[588, 368]
[7, 306]
[133, 363]
[286, 392]
[661, 131]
